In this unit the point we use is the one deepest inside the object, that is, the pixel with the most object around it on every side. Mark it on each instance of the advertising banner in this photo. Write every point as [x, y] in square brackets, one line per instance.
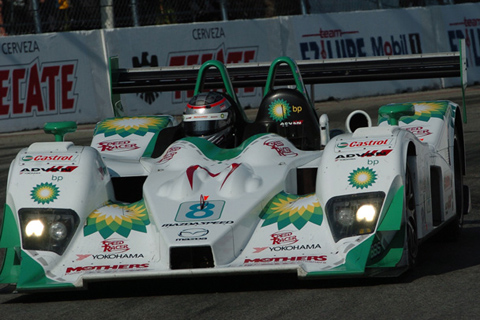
[459, 22]
[362, 34]
[192, 44]
[52, 77]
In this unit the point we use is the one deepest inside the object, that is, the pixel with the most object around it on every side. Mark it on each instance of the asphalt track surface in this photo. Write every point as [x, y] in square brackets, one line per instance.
[444, 285]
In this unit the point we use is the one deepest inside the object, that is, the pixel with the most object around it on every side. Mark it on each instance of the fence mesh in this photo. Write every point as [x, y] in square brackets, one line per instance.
[40, 16]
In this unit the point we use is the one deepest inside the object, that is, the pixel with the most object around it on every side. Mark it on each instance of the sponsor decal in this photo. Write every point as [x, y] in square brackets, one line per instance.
[425, 111]
[286, 260]
[36, 89]
[148, 97]
[279, 110]
[280, 147]
[19, 47]
[117, 256]
[291, 123]
[117, 146]
[362, 178]
[338, 43]
[115, 245]
[44, 193]
[283, 237]
[49, 158]
[289, 209]
[124, 127]
[368, 154]
[208, 33]
[118, 218]
[172, 151]
[62, 169]
[220, 53]
[419, 131]
[288, 248]
[192, 169]
[192, 234]
[206, 211]
[363, 143]
[193, 224]
[73, 270]
[467, 29]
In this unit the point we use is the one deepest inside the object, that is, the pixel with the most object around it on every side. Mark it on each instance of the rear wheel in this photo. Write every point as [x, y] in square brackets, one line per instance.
[410, 220]
[454, 228]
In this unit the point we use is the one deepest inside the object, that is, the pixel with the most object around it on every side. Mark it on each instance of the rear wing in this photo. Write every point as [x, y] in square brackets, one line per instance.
[386, 68]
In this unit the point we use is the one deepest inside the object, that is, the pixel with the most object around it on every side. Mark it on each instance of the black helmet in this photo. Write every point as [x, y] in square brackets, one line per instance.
[210, 115]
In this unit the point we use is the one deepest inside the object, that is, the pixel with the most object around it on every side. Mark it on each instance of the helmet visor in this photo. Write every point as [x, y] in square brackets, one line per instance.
[205, 124]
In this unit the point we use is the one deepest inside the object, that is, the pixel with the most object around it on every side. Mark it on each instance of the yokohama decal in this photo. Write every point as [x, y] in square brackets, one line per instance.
[38, 89]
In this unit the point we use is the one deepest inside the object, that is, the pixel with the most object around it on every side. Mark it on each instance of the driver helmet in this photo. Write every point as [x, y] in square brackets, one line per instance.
[210, 115]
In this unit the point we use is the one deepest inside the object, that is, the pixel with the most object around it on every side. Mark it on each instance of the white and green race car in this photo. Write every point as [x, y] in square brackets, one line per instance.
[145, 202]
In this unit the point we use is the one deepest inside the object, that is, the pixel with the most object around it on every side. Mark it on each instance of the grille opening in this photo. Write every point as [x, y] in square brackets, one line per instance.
[191, 257]
[306, 180]
[128, 189]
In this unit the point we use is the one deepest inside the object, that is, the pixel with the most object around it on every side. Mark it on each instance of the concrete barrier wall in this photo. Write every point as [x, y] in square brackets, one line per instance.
[64, 76]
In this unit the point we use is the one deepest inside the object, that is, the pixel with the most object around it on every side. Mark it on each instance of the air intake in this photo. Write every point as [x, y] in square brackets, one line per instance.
[191, 257]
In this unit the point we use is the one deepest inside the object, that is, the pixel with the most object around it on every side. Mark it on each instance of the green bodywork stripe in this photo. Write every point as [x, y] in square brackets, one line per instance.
[354, 263]
[32, 276]
[10, 239]
[213, 152]
[151, 145]
[393, 218]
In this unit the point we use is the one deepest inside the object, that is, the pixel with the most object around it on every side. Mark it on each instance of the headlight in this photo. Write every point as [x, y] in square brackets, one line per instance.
[47, 229]
[354, 214]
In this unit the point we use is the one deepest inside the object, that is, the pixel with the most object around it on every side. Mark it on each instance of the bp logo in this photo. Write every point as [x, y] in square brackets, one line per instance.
[362, 178]
[44, 193]
[131, 125]
[279, 110]
[118, 218]
[289, 209]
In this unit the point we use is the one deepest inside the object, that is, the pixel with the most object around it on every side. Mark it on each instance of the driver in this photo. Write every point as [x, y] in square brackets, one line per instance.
[210, 115]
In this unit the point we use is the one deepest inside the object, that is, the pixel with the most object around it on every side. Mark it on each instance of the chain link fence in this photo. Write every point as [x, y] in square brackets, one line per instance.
[39, 16]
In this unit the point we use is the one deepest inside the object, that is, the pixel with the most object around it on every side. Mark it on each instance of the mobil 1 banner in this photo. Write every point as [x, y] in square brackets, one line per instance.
[362, 34]
[191, 44]
[52, 77]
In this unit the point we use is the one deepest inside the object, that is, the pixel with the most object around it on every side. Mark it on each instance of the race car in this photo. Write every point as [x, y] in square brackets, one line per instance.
[145, 200]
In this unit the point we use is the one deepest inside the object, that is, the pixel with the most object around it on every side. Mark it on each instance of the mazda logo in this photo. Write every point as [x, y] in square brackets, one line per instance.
[193, 232]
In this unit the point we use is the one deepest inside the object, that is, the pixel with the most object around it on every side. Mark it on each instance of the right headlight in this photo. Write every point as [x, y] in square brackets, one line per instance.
[354, 215]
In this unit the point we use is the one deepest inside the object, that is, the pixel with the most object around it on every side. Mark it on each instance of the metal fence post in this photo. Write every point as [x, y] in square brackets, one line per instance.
[106, 7]
[36, 17]
[134, 13]
[223, 8]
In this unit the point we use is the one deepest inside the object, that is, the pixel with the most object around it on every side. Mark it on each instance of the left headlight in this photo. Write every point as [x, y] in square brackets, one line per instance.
[354, 214]
[47, 229]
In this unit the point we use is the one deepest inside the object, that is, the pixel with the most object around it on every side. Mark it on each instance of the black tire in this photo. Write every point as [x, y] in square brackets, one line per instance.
[412, 243]
[454, 228]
